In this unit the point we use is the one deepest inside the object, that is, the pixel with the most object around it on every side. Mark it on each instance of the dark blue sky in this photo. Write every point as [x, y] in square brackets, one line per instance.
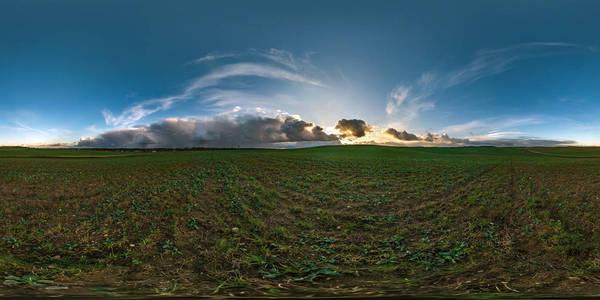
[475, 69]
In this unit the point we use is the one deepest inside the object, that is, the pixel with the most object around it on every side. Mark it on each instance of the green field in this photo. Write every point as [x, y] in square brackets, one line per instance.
[16, 152]
[345, 220]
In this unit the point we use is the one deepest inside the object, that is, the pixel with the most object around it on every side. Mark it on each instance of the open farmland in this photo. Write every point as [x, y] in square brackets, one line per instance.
[344, 219]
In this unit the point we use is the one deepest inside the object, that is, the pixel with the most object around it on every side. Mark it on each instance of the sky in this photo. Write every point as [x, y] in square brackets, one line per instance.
[294, 73]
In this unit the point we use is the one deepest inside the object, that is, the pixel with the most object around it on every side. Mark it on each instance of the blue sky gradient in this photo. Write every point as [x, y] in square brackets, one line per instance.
[482, 70]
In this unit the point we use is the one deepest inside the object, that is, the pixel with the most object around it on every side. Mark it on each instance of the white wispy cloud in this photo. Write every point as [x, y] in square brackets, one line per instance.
[485, 64]
[31, 135]
[496, 134]
[494, 128]
[212, 56]
[250, 69]
[531, 45]
[23, 127]
[464, 127]
[47, 132]
[287, 59]
[401, 100]
[572, 100]
[142, 109]
[219, 98]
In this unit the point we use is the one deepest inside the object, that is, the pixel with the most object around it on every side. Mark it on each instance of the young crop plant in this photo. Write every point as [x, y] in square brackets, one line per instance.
[11, 241]
[439, 255]
[31, 280]
[168, 246]
[193, 223]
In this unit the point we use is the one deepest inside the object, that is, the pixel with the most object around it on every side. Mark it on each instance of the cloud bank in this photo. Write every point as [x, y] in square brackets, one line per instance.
[218, 132]
[281, 131]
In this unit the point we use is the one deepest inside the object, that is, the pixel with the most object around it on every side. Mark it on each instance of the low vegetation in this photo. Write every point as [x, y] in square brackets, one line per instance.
[345, 220]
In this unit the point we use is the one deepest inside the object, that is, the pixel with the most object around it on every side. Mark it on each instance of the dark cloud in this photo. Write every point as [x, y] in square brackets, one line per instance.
[401, 135]
[444, 139]
[353, 128]
[218, 132]
[428, 138]
[296, 130]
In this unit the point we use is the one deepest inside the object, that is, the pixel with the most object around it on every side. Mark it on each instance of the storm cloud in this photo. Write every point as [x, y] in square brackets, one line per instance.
[444, 139]
[218, 132]
[353, 128]
[401, 135]
[431, 138]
